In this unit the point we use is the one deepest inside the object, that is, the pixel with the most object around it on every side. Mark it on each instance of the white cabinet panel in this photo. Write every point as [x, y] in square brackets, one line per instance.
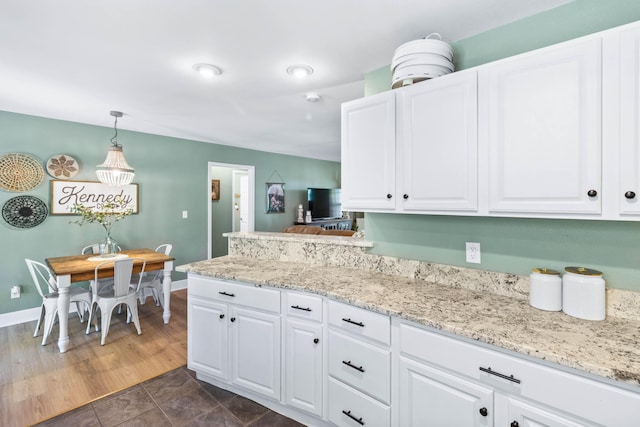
[437, 144]
[431, 397]
[207, 337]
[350, 408]
[543, 112]
[255, 348]
[517, 413]
[629, 122]
[303, 365]
[368, 153]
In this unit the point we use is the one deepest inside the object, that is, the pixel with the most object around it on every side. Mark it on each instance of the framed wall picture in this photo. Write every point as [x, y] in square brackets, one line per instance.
[215, 189]
[275, 197]
[93, 194]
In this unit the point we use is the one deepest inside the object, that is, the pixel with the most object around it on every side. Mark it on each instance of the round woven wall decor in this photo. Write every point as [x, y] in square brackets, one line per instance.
[20, 172]
[62, 166]
[24, 211]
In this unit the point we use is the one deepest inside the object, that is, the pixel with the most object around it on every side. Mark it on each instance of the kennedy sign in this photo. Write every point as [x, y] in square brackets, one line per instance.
[65, 194]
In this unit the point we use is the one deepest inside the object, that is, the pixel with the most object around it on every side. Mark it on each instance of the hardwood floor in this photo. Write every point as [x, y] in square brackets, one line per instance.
[38, 382]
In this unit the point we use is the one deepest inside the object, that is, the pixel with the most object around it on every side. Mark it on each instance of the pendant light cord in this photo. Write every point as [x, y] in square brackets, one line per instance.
[114, 139]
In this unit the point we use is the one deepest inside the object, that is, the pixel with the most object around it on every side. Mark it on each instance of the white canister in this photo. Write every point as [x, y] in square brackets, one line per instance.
[583, 293]
[545, 289]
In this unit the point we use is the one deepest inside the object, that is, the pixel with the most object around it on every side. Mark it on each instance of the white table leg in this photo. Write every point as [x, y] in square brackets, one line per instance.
[166, 290]
[64, 282]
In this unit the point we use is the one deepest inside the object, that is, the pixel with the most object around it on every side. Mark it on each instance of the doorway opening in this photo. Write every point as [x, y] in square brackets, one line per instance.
[233, 207]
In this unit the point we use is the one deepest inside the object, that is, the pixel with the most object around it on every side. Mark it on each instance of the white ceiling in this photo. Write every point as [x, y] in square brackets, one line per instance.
[77, 59]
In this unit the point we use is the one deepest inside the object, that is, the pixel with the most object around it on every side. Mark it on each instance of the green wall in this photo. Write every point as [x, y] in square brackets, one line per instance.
[172, 175]
[517, 245]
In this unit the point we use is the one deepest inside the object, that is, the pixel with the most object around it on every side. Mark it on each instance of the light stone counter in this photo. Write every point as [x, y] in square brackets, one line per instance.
[609, 348]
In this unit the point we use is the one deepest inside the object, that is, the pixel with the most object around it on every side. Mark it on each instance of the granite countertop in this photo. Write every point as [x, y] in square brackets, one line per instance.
[609, 348]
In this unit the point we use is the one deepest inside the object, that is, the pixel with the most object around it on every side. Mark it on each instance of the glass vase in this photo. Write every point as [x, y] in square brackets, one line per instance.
[108, 247]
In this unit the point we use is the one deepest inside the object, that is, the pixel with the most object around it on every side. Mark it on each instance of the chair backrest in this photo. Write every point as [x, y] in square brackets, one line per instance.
[95, 249]
[166, 248]
[122, 271]
[42, 277]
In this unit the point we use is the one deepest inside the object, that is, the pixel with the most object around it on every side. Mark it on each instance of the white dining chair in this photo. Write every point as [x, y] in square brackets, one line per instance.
[152, 280]
[107, 298]
[47, 286]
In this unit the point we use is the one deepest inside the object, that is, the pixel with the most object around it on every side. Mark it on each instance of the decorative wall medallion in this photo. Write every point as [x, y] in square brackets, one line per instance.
[62, 166]
[20, 172]
[24, 211]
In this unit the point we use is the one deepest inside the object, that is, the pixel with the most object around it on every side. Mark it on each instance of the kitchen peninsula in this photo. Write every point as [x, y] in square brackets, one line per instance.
[426, 316]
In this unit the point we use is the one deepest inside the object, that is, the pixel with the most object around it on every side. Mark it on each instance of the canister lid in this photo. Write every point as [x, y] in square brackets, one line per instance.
[546, 271]
[583, 271]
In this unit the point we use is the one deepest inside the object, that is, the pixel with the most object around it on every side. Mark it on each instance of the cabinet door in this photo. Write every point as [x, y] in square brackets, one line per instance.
[629, 119]
[437, 144]
[430, 397]
[303, 365]
[207, 338]
[255, 349]
[514, 412]
[368, 153]
[543, 137]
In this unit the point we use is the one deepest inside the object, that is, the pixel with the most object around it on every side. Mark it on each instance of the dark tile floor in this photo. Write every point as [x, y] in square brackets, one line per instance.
[176, 398]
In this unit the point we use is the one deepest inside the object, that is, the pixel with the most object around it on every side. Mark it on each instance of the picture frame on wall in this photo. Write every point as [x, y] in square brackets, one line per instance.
[92, 194]
[275, 197]
[215, 189]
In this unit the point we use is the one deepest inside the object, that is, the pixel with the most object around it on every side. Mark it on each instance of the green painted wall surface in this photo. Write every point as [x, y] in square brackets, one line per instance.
[517, 245]
[172, 175]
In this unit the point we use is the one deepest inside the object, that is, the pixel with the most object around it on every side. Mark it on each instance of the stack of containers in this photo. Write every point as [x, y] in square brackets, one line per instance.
[420, 60]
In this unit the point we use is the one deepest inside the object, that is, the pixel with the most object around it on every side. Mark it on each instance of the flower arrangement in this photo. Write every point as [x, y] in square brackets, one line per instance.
[106, 215]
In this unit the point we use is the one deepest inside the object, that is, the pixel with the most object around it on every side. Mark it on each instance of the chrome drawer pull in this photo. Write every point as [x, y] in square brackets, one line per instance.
[358, 420]
[498, 374]
[297, 307]
[352, 322]
[224, 293]
[353, 366]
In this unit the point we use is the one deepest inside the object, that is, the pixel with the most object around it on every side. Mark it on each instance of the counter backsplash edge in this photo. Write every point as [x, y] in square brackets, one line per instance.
[620, 303]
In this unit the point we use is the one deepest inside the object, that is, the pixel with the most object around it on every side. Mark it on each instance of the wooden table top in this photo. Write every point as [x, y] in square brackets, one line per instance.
[81, 269]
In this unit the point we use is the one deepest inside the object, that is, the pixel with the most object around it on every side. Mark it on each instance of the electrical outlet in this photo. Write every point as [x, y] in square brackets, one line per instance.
[473, 252]
[185, 214]
[15, 291]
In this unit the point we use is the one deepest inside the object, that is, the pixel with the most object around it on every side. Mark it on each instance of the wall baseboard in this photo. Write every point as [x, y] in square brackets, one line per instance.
[32, 314]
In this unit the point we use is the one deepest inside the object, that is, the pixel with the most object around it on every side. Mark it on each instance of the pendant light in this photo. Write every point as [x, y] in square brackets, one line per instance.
[115, 170]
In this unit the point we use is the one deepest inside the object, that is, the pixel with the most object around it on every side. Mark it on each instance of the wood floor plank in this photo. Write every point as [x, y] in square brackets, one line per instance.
[38, 382]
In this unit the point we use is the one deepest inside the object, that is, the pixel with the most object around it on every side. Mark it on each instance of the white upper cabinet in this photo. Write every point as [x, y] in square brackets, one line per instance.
[437, 144]
[368, 153]
[413, 149]
[628, 192]
[540, 120]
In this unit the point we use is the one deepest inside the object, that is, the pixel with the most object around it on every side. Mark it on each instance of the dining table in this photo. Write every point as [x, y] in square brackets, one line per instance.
[80, 268]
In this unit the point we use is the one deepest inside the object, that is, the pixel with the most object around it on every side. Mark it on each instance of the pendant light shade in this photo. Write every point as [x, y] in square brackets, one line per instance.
[115, 170]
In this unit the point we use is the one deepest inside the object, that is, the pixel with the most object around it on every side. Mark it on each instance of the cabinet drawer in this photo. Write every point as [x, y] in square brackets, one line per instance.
[361, 365]
[235, 293]
[575, 394]
[307, 307]
[360, 322]
[350, 408]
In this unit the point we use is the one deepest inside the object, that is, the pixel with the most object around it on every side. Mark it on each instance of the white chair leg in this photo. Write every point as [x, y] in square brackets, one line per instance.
[49, 319]
[93, 312]
[35, 334]
[134, 316]
[106, 321]
[80, 312]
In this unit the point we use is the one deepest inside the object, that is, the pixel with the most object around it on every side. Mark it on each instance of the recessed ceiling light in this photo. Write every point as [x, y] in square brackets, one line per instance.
[312, 97]
[300, 71]
[207, 70]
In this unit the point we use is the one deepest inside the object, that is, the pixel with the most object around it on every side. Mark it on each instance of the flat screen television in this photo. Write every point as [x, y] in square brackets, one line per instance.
[324, 203]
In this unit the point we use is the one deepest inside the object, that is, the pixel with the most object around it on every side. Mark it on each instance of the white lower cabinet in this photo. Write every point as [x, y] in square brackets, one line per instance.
[347, 366]
[432, 397]
[232, 342]
[304, 353]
